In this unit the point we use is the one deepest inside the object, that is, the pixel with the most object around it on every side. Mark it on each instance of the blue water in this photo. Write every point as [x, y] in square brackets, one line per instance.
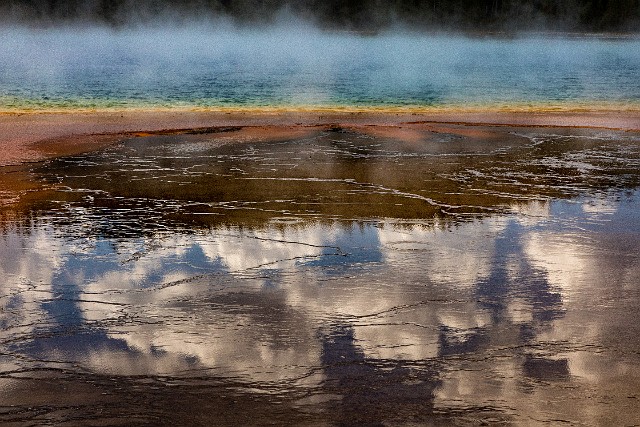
[302, 67]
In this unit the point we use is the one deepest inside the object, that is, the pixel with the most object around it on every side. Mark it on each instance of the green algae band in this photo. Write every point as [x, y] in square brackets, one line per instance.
[205, 68]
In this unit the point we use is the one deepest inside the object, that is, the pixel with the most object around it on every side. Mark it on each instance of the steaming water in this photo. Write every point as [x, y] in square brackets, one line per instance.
[453, 276]
[299, 67]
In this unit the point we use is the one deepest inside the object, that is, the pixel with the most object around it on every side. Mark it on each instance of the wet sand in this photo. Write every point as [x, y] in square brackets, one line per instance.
[27, 137]
[334, 269]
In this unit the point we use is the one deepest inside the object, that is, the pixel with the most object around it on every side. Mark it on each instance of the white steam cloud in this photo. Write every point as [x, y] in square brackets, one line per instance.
[297, 64]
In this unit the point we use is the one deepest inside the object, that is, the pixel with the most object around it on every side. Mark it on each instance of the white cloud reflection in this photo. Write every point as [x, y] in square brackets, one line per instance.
[256, 304]
[29, 260]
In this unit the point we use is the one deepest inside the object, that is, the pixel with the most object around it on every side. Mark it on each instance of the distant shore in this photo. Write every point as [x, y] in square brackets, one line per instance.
[34, 136]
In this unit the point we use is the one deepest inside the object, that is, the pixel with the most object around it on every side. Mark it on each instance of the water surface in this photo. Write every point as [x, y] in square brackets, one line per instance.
[212, 67]
[341, 278]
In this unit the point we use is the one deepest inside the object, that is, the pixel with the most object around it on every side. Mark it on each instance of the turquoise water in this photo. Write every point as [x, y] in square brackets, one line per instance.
[301, 67]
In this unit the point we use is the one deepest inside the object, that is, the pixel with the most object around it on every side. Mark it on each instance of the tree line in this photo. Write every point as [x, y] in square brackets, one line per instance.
[355, 15]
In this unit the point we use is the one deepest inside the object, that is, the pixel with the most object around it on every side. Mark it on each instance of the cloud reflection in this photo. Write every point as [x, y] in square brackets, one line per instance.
[465, 315]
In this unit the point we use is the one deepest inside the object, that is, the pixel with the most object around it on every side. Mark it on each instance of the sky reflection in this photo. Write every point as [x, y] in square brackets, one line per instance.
[474, 315]
[425, 274]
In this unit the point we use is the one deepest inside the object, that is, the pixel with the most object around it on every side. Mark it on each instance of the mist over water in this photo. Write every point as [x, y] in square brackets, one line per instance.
[297, 65]
[423, 273]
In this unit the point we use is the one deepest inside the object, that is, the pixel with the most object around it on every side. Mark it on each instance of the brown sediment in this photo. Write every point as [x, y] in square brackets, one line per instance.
[419, 133]
[15, 181]
[71, 132]
[32, 137]
[26, 138]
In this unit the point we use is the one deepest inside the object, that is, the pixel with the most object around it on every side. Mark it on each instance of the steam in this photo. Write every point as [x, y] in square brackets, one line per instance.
[296, 64]
[363, 15]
